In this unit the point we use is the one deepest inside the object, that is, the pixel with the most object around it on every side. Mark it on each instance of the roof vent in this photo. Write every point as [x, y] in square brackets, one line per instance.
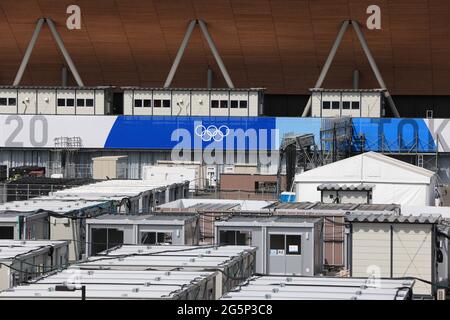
[192, 260]
[275, 290]
[289, 279]
[157, 279]
[135, 290]
[268, 296]
[358, 292]
[140, 251]
[147, 284]
[168, 273]
[90, 272]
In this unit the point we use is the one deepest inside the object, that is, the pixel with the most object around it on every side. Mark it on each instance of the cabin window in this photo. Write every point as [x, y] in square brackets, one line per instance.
[89, 102]
[326, 105]
[147, 103]
[234, 104]
[156, 238]
[3, 101]
[214, 104]
[70, 102]
[138, 103]
[335, 105]
[61, 102]
[243, 104]
[166, 103]
[7, 233]
[346, 105]
[235, 238]
[105, 238]
[224, 104]
[80, 103]
[156, 103]
[355, 105]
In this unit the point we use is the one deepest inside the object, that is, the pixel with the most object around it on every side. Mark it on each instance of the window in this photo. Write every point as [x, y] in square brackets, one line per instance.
[3, 101]
[326, 105]
[224, 104]
[233, 238]
[147, 103]
[105, 238]
[243, 104]
[6, 233]
[138, 103]
[355, 105]
[265, 186]
[70, 102]
[335, 105]
[156, 238]
[234, 104]
[214, 104]
[12, 101]
[294, 244]
[346, 105]
[282, 244]
[277, 245]
[166, 103]
[89, 102]
[61, 102]
[80, 102]
[157, 104]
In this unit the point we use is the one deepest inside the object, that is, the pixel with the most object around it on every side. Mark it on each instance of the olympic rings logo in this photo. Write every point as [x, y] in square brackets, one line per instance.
[212, 132]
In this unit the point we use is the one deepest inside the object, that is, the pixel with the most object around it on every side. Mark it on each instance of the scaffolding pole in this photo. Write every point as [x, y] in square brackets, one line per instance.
[180, 53]
[375, 69]
[26, 57]
[328, 62]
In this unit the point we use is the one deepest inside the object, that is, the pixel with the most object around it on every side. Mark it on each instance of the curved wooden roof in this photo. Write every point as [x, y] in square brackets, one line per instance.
[276, 44]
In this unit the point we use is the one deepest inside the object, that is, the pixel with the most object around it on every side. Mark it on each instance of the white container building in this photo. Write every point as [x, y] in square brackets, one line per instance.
[118, 285]
[24, 260]
[321, 288]
[107, 231]
[285, 245]
[233, 263]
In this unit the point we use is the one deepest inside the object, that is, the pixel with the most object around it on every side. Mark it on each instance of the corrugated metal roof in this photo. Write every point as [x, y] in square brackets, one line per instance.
[141, 219]
[331, 206]
[10, 249]
[392, 218]
[111, 284]
[346, 90]
[345, 187]
[320, 288]
[268, 220]
[215, 206]
[56, 88]
[192, 89]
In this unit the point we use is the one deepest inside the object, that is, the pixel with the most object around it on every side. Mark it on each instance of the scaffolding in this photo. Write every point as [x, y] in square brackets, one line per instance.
[336, 139]
[66, 149]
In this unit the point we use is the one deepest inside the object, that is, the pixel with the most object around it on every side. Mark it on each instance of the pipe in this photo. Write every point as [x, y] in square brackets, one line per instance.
[65, 53]
[209, 78]
[180, 53]
[356, 79]
[215, 53]
[328, 62]
[28, 52]
[64, 76]
[374, 67]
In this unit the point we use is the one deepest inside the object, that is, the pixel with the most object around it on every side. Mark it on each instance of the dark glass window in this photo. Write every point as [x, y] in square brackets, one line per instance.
[277, 242]
[214, 103]
[326, 105]
[61, 102]
[294, 244]
[70, 102]
[156, 238]
[335, 105]
[166, 103]
[89, 102]
[147, 103]
[156, 103]
[355, 105]
[3, 101]
[104, 238]
[346, 105]
[243, 104]
[233, 238]
[138, 103]
[224, 104]
[12, 101]
[80, 102]
[234, 104]
[6, 233]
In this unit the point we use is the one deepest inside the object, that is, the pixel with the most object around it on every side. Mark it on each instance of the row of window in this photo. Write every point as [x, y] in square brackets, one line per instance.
[234, 104]
[279, 244]
[71, 102]
[147, 103]
[8, 102]
[335, 105]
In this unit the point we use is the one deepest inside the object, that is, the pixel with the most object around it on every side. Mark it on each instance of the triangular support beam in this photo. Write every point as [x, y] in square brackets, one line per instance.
[211, 45]
[61, 47]
[369, 56]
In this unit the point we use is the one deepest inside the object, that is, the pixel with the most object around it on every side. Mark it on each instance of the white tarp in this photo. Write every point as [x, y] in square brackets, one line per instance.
[393, 181]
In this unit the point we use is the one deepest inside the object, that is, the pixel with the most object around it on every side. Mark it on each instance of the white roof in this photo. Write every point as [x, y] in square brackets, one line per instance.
[110, 284]
[369, 167]
[11, 249]
[320, 288]
[114, 188]
[244, 205]
[162, 257]
[444, 212]
[42, 203]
